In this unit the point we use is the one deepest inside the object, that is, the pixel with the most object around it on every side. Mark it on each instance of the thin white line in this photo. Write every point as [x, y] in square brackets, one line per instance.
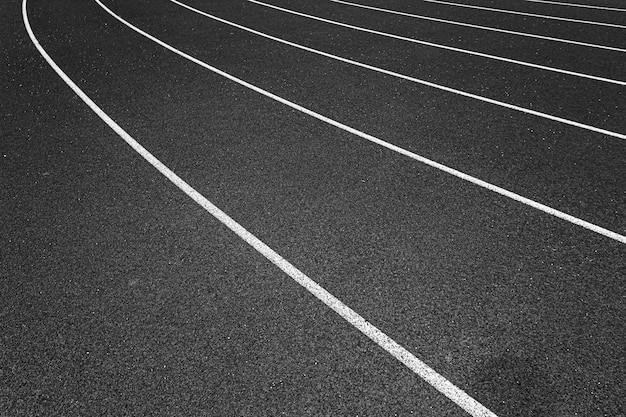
[586, 6]
[527, 14]
[449, 48]
[412, 79]
[542, 207]
[458, 396]
[509, 32]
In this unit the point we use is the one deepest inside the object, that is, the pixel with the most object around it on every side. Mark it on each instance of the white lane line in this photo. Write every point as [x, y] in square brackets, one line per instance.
[541, 16]
[488, 28]
[542, 207]
[458, 396]
[586, 6]
[412, 79]
[449, 48]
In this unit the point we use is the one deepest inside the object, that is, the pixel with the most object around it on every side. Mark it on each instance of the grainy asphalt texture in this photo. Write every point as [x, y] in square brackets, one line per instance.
[119, 296]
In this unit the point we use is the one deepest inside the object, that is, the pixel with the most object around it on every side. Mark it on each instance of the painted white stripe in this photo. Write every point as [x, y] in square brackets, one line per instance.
[542, 207]
[488, 28]
[541, 16]
[586, 6]
[458, 396]
[448, 48]
[412, 79]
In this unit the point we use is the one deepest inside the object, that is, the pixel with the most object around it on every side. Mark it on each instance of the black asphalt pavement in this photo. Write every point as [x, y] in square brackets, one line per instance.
[120, 296]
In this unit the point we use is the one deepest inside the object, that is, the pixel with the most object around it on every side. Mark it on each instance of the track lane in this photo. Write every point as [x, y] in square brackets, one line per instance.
[607, 10]
[285, 170]
[461, 336]
[488, 28]
[612, 109]
[445, 387]
[585, 33]
[548, 210]
[457, 149]
[137, 297]
[584, 6]
[528, 14]
[445, 47]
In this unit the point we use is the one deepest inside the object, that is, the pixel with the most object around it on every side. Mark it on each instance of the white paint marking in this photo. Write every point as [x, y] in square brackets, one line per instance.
[488, 28]
[586, 6]
[458, 396]
[412, 79]
[449, 48]
[542, 207]
[541, 16]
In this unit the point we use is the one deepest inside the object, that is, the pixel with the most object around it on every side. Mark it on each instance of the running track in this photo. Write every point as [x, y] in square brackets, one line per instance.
[120, 295]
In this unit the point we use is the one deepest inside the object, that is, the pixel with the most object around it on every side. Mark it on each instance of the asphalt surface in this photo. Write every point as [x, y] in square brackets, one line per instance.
[120, 296]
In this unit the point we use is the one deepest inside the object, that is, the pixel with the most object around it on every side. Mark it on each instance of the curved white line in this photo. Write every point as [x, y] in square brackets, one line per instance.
[508, 32]
[449, 48]
[458, 396]
[419, 158]
[541, 16]
[412, 79]
[586, 6]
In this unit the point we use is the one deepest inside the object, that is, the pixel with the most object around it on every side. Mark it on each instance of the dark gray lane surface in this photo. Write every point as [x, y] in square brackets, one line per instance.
[123, 297]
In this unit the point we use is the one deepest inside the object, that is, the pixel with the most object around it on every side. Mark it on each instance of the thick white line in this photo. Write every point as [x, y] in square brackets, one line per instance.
[542, 207]
[412, 79]
[449, 48]
[508, 32]
[444, 386]
[586, 6]
[589, 22]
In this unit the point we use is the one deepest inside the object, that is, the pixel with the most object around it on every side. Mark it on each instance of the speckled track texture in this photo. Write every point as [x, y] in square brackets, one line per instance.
[119, 296]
